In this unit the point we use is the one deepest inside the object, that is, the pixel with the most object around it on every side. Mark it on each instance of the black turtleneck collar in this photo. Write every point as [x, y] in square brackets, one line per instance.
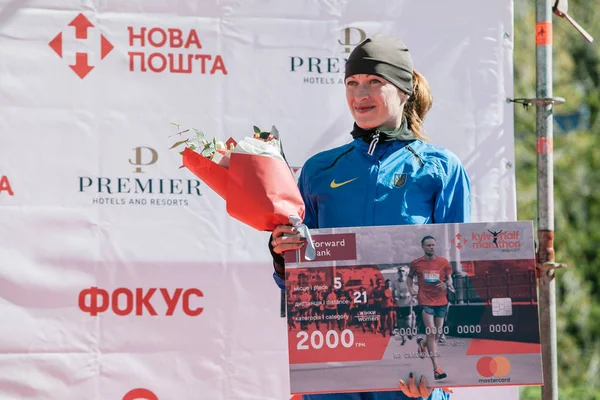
[385, 134]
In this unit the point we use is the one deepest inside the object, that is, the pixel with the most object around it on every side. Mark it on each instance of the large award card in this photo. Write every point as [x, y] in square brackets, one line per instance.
[456, 303]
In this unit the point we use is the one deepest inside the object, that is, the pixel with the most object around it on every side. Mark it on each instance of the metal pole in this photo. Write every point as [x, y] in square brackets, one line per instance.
[545, 195]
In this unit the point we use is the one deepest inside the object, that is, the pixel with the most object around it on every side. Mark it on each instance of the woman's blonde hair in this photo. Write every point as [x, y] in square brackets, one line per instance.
[418, 105]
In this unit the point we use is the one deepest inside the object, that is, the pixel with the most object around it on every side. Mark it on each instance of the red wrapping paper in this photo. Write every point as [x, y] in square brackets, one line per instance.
[214, 175]
[259, 191]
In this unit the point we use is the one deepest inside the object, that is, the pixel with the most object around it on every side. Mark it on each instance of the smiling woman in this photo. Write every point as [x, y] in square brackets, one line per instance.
[374, 102]
[387, 175]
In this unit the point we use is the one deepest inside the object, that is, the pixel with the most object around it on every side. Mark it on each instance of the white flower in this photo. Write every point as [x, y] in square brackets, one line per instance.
[220, 146]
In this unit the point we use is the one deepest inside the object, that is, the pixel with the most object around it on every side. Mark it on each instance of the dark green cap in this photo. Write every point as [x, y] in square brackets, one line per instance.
[383, 56]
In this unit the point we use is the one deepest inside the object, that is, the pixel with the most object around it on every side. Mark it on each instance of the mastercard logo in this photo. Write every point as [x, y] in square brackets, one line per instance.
[493, 366]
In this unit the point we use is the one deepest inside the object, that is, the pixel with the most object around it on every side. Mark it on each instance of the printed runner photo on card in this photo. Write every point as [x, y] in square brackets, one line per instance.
[456, 303]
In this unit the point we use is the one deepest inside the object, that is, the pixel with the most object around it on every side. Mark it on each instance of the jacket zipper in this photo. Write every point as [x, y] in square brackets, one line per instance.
[374, 142]
[416, 155]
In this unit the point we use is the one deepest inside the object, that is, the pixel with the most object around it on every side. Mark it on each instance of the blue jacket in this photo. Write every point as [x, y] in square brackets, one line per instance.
[400, 183]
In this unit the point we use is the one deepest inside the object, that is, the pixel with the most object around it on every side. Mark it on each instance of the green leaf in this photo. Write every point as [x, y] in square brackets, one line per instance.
[256, 129]
[199, 133]
[264, 135]
[178, 144]
[192, 147]
[181, 152]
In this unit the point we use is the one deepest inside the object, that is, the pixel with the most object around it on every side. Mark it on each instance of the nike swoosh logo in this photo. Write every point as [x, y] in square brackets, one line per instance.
[337, 185]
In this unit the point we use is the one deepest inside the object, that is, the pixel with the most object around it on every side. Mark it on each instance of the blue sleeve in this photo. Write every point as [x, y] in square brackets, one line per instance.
[310, 215]
[311, 219]
[453, 201]
[436, 394]
[280, 282]
[439, 394]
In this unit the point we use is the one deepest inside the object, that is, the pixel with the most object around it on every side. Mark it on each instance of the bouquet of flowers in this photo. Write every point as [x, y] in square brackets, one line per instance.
[252, 176]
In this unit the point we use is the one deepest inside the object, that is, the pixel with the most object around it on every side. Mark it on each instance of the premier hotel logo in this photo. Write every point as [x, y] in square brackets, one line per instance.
[140, 186]
[327, 70]
[140, 160]
[352, 37]
[496, 239]
[334, 247]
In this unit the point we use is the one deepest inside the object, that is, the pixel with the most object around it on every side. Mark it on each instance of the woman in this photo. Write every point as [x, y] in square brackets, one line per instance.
[387, 175]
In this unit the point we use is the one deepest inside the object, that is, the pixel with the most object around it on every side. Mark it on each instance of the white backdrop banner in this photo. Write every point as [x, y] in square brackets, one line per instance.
[121, 275]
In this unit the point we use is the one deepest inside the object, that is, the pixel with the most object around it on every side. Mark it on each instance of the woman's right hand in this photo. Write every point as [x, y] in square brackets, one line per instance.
[291, 241]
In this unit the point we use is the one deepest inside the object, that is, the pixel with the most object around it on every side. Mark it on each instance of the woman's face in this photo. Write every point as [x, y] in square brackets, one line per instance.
[374, 101]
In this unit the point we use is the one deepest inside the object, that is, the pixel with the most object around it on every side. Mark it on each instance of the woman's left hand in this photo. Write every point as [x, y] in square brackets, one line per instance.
[412, 390]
